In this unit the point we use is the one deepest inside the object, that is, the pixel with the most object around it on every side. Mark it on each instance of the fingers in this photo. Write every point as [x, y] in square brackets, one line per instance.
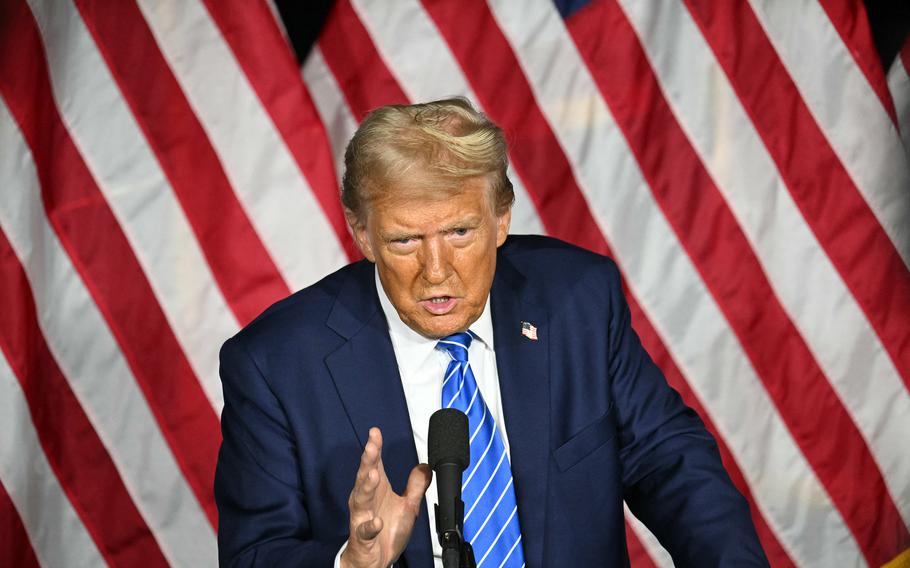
[364, 491]
[376, 510]
[373, 449]
[418, 482]
[368, 530]
[368, 474]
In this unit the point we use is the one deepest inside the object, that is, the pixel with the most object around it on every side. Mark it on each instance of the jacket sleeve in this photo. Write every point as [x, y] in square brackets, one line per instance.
[673, 477]
[263, 519]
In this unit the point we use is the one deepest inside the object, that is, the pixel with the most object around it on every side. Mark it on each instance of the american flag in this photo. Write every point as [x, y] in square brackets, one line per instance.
[168, 170]
[529, 330]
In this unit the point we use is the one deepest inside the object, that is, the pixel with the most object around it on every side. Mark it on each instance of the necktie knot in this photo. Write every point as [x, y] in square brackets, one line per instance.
[457, 345]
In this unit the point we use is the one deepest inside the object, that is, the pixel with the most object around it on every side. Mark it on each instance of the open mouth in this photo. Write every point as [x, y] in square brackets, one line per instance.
[439, 305]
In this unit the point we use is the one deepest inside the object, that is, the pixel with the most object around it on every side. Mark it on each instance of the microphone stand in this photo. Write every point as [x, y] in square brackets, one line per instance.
[456, 551]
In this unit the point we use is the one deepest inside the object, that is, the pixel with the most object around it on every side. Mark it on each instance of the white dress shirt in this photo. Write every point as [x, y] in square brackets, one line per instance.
[422, 367]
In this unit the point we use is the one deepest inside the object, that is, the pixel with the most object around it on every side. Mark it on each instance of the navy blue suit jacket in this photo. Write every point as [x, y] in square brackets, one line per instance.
[590, 420]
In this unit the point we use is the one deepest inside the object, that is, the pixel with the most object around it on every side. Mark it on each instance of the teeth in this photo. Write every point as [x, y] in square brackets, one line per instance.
[439, 300]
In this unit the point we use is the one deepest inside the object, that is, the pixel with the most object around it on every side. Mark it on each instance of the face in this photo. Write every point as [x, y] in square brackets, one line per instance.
[436, 257]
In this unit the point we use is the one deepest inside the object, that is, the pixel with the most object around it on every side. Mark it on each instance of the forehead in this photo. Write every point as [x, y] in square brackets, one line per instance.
[414, 208]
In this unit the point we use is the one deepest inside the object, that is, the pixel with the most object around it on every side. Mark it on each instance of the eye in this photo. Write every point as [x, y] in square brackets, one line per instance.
[461, 231]
[403, 245]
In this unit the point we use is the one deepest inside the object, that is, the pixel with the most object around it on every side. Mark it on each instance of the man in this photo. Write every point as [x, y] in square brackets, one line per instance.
[328, 393]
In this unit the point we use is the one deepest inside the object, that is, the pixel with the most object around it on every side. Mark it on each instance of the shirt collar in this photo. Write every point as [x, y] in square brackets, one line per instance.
[417, 345]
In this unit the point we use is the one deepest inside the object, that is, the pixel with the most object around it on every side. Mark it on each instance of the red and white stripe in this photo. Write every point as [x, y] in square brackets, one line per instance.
[899, 86]
[174, 171]
[86, 388]
[56, 539]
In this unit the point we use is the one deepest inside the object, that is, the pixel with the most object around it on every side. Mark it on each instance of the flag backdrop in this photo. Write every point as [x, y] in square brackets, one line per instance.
[168, 170]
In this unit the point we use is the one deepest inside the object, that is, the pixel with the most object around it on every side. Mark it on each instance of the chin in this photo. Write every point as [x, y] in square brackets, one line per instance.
[438, 330]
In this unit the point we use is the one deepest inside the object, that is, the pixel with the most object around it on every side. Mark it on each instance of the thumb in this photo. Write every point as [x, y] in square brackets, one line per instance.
[418, 482]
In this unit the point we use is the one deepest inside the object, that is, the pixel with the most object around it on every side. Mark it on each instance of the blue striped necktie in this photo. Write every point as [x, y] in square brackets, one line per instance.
[490, 508]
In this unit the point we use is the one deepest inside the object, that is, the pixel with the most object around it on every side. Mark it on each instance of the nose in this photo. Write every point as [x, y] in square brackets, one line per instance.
[436, 261]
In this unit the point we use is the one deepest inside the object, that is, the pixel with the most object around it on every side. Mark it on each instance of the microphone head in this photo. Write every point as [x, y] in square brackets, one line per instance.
[447, 440]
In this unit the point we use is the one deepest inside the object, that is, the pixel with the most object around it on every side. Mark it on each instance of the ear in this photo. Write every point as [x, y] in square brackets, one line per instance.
[502, 226]
[361, 237]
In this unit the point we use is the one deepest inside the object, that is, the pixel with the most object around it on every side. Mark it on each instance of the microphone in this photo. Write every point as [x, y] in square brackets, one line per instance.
[449, 455]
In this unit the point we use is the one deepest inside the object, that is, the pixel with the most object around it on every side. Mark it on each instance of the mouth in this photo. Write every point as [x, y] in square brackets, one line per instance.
[439, 305]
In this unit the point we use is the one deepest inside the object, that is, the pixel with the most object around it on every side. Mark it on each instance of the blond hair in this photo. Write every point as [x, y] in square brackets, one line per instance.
[426, 149]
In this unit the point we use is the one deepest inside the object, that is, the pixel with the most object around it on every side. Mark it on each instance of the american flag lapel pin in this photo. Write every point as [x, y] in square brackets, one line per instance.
[529, 330]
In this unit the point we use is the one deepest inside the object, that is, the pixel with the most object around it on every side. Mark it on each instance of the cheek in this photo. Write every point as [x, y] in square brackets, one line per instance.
[400, 275]
[476, 272]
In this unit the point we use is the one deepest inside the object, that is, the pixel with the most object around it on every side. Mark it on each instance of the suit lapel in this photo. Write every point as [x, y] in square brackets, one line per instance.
[523, 366]
[365, 373]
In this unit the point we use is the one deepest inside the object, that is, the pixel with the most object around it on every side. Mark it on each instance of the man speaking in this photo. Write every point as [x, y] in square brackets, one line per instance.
[328, 394]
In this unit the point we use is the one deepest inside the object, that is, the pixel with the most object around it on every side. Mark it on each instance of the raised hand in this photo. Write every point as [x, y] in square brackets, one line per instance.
[381, 520]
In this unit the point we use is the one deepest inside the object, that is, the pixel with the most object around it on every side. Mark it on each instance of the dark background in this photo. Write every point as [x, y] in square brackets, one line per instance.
[890, 21]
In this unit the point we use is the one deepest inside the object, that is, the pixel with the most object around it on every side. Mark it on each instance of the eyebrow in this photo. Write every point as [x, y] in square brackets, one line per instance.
[470, 222]
[396, 236]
